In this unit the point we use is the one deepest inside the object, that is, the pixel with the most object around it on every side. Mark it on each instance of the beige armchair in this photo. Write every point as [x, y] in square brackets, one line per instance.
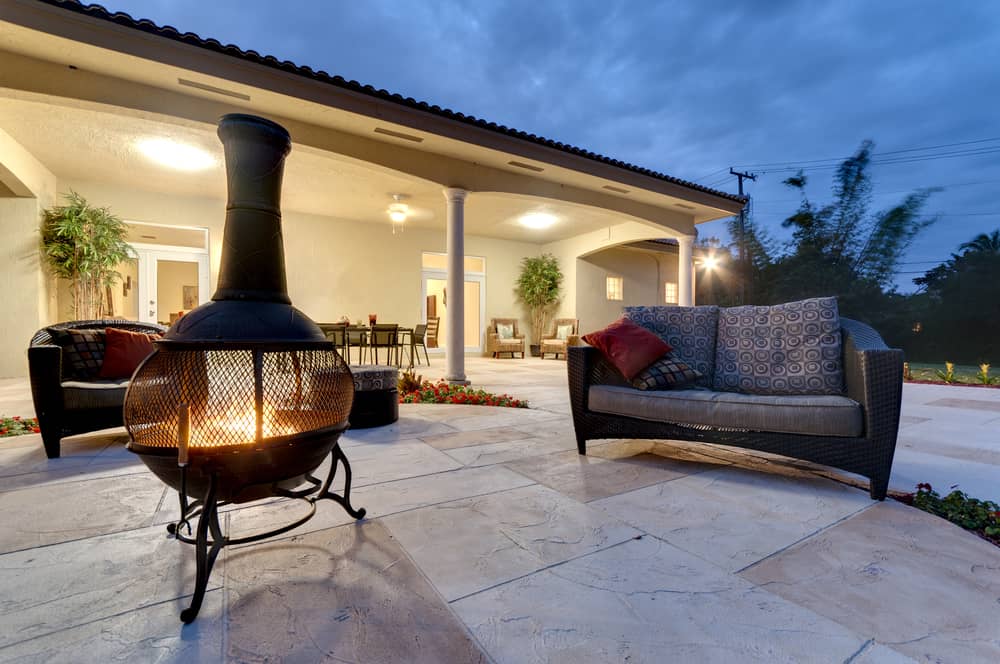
[495, 344]
[556, 343]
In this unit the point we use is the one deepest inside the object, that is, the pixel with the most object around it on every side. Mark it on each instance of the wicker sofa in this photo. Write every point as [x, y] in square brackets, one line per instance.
[855, 432]
[65, 406]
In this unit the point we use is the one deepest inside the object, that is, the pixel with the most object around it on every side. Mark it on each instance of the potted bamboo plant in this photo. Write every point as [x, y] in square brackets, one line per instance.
[539, 288]
[85, 245]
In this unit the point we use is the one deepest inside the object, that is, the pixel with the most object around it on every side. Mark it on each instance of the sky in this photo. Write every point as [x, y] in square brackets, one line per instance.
[687, 88]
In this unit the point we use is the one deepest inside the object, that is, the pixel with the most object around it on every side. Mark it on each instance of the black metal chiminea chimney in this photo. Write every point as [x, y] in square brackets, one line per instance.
[244, 397]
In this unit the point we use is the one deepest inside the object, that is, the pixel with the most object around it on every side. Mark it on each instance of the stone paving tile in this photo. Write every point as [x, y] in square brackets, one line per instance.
[51, 588]
[734, 517]
[37, 516]
[494, 453]
[384, 462]
[967, 404]
[910, 579]
[449, 441]
[347, 594]
[152, 633]
[472, 544]
[405, 428]
[592, 477]
[500, 417]
[646, 601]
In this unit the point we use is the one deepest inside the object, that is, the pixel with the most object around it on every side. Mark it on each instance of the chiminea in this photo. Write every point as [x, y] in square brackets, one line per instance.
[244, 397]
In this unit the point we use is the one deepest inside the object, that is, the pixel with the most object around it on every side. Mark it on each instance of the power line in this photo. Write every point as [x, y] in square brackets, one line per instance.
[874, 154]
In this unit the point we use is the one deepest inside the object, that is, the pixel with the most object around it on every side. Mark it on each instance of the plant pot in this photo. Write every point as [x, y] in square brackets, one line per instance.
[535, 350]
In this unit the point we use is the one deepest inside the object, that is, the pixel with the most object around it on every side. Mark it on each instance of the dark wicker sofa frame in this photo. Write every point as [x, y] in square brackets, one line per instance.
[874, 377]
[45, 370]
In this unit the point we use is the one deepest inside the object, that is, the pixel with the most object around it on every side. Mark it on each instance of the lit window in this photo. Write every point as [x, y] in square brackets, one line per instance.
[615, 288]
[670, 293]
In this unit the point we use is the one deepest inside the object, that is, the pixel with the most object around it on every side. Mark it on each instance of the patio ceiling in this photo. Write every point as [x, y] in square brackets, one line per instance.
[91, 142]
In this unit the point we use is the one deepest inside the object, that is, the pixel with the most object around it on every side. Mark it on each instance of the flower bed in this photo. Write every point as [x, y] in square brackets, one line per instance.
[17, 426]
[443, 392]
[979, 516]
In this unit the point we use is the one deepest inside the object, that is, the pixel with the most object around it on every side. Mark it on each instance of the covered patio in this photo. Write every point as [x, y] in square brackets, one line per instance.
[488, 538]
[382, 195]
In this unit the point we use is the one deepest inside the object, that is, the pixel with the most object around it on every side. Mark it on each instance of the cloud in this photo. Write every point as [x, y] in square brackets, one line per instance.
[685, 88]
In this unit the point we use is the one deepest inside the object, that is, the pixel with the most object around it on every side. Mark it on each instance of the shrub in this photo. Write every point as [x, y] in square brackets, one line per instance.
[979, 516]
[442, 392]
[948, 375]
[17, 426]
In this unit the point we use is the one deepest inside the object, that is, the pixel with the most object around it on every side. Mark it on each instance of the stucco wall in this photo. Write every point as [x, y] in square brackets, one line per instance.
[28, 300]
[334, 266]
[642, 272]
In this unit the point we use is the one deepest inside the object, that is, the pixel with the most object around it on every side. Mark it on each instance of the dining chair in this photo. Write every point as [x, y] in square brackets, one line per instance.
[384, 335]
[418, 340]
[337, 333]
[358, 338]
[432, 331]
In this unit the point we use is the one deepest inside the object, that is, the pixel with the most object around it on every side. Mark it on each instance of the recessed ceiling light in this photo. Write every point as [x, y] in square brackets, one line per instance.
[537, 220]
[173, 154]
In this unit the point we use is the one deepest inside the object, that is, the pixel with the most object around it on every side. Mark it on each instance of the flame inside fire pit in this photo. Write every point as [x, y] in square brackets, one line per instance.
[244, 397]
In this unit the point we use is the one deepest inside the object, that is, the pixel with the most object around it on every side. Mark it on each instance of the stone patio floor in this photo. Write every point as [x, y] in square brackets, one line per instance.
[489, 539]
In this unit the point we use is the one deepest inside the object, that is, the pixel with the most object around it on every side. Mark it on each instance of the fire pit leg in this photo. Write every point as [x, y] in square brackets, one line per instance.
[205, 556]
[344, 501]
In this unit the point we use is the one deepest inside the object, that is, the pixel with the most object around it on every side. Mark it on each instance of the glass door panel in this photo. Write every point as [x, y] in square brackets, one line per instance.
[177, 289]
[435, 293]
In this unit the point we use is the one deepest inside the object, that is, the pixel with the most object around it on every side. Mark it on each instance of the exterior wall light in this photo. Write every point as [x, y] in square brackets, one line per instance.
[179, 156]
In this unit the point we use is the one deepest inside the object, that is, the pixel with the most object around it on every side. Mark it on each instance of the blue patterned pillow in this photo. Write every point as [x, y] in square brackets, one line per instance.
[690, 331]
[667, 373]
[792, 348]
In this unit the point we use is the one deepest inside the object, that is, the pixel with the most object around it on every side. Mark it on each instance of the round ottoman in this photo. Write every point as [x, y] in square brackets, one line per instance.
[376, 396]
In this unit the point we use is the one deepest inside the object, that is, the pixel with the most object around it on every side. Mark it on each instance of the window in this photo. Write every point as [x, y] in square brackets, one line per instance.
[670, 292]
[615, 288]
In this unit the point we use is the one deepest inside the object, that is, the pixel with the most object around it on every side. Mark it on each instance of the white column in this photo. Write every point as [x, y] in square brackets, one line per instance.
[685, 269]
[455, 317]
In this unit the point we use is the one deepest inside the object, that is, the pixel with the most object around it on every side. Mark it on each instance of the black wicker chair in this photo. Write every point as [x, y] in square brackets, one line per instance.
[65, 407]
[874, 377]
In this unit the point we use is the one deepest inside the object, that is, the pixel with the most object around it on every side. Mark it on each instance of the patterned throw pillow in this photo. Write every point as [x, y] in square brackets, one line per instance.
[83, 352]
[690, 331]
[505, 330]
[563, 332]
[666, 373]
[792, 348]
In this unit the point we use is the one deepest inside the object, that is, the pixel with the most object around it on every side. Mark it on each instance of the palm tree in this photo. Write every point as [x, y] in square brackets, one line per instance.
[984, 243]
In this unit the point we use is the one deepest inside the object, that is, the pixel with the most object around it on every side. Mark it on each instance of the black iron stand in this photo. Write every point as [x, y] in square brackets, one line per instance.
[207, 511]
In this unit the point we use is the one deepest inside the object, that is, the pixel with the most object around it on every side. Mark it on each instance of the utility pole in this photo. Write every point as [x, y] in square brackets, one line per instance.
[744, 254]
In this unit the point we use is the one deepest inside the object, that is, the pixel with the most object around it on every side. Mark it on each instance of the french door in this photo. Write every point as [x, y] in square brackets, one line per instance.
[171, 282]
[435, 303]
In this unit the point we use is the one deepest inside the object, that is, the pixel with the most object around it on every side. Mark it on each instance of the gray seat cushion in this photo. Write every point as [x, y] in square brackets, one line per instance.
[103, 393]
[816, 415]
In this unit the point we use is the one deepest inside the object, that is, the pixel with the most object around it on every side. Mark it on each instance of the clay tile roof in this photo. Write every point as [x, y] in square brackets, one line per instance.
[169, 32]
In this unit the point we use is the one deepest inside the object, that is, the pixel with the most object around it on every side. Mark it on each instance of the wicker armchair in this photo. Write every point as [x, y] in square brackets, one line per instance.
[874, 378]
[64, 406]
[495, 346]
[552, 344]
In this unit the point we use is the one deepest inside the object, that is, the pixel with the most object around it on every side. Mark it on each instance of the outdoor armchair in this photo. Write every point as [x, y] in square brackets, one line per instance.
[565, 332]
[502, 336]
[65, 406]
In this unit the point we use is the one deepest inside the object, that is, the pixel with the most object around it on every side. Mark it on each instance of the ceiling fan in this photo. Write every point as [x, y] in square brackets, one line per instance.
[400, 212]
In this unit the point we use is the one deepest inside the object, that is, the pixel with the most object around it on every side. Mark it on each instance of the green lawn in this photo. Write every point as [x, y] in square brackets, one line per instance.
[964, 373]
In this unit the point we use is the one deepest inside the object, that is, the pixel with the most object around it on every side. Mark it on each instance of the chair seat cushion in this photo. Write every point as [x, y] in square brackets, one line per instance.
[87, 394]
[816, 415]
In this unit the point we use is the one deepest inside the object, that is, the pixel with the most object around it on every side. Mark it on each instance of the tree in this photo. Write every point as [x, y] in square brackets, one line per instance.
[84, 245]
[539, 288]
[960, 304]
[842, 248]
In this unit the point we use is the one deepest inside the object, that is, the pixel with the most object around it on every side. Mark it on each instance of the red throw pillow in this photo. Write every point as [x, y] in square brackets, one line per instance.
[629, 347]
[124, 351]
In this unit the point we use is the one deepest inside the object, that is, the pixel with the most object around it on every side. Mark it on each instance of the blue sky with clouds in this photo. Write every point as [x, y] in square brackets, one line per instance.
[687, 88]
